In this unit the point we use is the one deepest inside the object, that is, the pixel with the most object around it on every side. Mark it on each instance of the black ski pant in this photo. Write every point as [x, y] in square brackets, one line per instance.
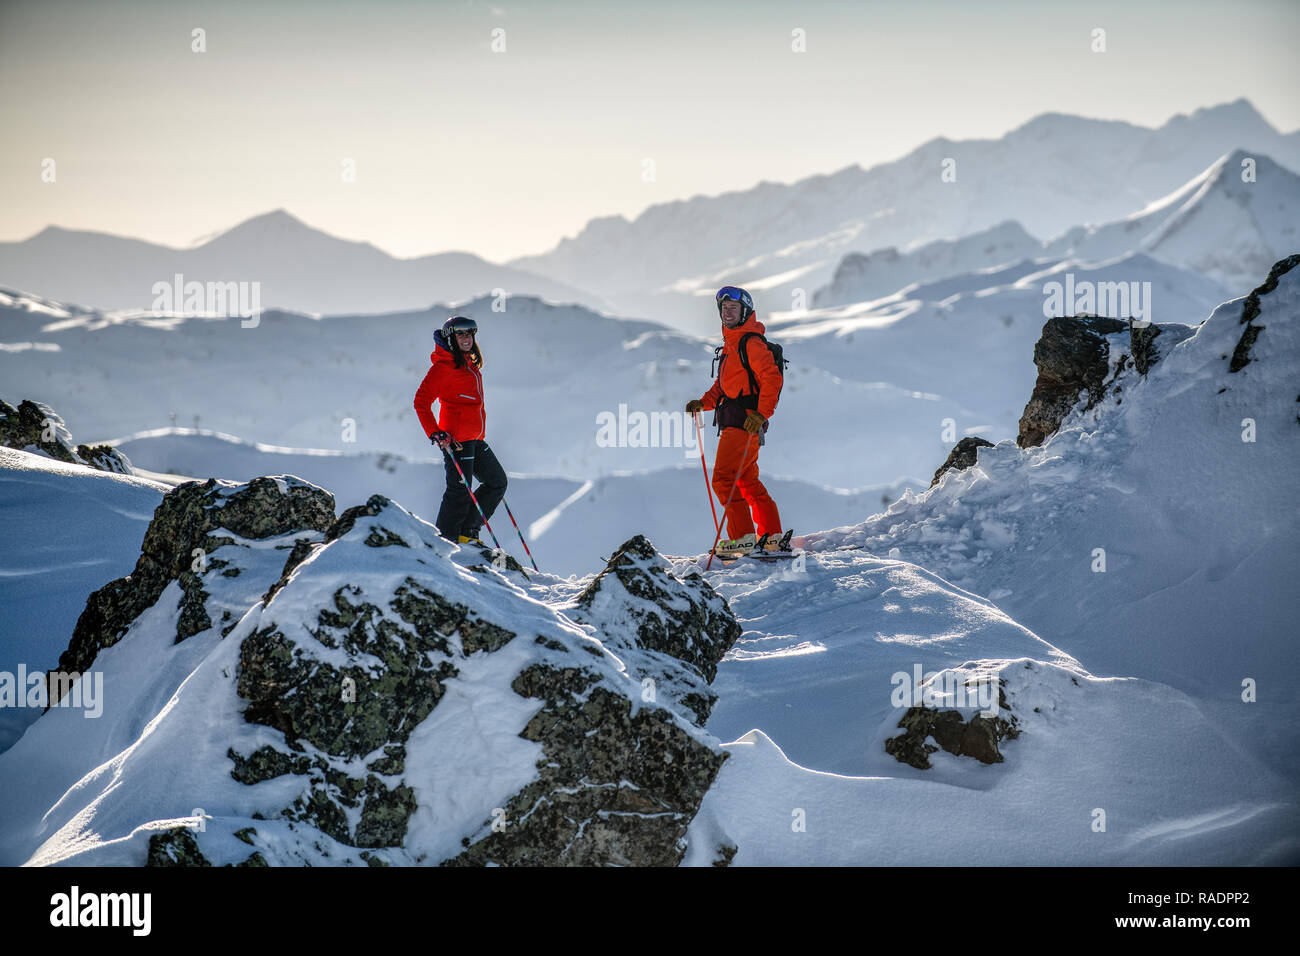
[458, 515]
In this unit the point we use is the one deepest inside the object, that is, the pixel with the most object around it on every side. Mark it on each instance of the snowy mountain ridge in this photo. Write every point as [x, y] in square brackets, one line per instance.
[297, 268]
[789, 711]
[803, 229]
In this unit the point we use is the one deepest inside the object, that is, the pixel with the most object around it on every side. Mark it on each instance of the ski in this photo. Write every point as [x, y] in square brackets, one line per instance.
[769, 556]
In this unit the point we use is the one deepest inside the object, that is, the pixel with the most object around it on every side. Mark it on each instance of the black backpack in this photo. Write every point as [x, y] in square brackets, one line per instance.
[730, 411]
[778, 356]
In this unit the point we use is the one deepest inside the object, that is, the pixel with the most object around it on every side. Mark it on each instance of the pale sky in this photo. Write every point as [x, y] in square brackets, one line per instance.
[504, 153]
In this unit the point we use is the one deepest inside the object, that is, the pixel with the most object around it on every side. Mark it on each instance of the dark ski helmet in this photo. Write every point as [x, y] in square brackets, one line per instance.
[739, 295]
[459, 323]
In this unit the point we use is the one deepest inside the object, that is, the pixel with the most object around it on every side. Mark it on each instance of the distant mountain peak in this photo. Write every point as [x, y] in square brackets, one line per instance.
[1240, 107]
[1240, 115]
[277, 222]
[276, 217]
[1226, 171]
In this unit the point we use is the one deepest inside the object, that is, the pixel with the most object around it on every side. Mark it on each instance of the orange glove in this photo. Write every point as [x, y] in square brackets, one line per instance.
[754, 423]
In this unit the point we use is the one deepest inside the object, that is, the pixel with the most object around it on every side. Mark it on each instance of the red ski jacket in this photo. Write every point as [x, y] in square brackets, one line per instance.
[459, 392]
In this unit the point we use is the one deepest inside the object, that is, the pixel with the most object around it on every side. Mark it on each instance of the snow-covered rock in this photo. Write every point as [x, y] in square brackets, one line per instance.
[360, 690]
[36, 427]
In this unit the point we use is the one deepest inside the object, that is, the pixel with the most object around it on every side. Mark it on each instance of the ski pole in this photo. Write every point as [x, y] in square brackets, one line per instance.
[473, 499]
[735, 481]
[708, 489]
[520, 533]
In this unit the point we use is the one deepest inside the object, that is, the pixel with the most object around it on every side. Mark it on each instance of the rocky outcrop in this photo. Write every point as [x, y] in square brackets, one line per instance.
[193, 521]
[619, 782]
[360, 713]
[1071, 355]
[175, 848]
[685, 619]
[620, 776]
[622, 773]
[352, 634]
[1250, 312]
[963, 455]
[36, 425]
[178, 848]
[977, 737]
[1074, 361]
[637, 603]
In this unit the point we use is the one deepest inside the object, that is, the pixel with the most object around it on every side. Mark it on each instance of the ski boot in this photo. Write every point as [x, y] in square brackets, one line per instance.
[777, 543]
[773, 544]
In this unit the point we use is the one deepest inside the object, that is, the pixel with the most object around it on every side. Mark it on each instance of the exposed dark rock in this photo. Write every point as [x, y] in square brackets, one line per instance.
[615, 787]
[35, 424]
[266, 763]
[347, 521]
[638, 604]
[194, 617]
[963, 455]
[353, 712]
[500, 559]
[105, 458]
[699, 633]
[384, 811]
[185, 520]
[1142, 342]
[619, 780]
[175, 847]
[1250, 312]
[392, 763]
[301, 549]
[978, 737]
[726, 853]
[1146, 351]
[1071, 355]
[432, 617]
[356, 710]
[179, 847]
[384, 816]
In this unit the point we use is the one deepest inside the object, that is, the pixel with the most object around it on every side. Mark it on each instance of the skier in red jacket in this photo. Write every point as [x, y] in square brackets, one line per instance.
[455, 380]
[742, 414]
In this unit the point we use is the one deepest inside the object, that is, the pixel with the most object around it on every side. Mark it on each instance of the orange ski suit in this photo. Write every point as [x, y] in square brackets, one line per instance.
[751, 504]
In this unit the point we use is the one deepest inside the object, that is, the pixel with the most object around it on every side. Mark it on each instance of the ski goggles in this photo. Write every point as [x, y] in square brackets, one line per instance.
[460, 324]
[737, 295]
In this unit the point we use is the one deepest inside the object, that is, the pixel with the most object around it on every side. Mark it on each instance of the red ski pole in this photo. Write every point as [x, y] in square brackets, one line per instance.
[734, 482]
[708, 489]
[520, 533]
